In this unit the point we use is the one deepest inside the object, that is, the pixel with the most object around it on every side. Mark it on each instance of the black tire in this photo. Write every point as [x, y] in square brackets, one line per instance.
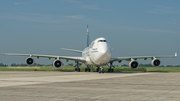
[99, 70]
[109, 70]
[89, 70]
[75, 69]
[78, 70]
[112, 70]
[85, 69]
[102, 70]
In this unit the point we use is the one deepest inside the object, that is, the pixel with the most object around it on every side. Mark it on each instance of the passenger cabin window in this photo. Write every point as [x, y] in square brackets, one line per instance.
[102, 41]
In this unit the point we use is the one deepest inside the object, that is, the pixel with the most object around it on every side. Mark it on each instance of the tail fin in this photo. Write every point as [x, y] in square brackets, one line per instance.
[88, 41]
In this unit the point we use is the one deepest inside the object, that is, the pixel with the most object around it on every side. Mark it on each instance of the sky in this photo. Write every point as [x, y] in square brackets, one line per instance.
[131, 27]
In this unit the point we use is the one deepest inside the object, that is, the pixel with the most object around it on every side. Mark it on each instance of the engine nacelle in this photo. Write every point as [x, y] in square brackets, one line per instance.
[29, 61]
[134, 64]
[155, 62]
[57, 63]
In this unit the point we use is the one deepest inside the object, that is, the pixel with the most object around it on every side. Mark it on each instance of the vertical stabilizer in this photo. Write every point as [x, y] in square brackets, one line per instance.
[88, 41]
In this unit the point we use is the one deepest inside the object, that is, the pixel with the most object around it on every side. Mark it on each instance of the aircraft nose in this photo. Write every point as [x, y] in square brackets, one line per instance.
[104, 56]
[104, 52]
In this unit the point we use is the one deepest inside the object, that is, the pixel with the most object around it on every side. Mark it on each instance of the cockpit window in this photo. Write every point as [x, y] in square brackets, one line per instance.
[102, 41]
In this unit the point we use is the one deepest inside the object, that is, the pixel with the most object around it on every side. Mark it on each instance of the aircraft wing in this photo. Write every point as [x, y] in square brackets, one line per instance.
[139, 57]
[81, 59]
[78, 51]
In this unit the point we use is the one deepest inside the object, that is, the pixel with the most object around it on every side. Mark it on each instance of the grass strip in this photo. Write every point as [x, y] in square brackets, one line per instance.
[93, 69]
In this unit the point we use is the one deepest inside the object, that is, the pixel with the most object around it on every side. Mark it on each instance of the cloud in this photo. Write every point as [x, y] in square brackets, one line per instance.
[72, 1]
[158, 9]
[16, 3]
[162, 7]
[20, 3]
[175, 22]
[153, 12]
[75, 16]
[162, 10]
[42, 18]
[153, 30]
[93, 7]
[33, 17]
[84, 6]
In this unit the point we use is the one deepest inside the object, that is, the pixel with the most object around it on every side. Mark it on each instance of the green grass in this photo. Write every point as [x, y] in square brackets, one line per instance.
[93, 69]
[163, 69]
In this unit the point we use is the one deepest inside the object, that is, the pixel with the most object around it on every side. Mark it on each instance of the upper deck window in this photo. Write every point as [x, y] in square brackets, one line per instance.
[102, 41]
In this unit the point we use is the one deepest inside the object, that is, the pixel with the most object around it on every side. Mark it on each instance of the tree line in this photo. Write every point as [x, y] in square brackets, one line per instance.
[3, 65]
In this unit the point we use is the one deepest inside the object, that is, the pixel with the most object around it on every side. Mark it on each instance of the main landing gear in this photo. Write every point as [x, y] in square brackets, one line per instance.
[111, 69]
[77, 69]
[87, 69]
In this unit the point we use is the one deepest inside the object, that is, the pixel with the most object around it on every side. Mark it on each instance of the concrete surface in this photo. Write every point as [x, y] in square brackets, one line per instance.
[81, 86]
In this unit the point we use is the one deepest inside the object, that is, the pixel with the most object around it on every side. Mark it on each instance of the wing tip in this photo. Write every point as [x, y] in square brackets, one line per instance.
[175, 54]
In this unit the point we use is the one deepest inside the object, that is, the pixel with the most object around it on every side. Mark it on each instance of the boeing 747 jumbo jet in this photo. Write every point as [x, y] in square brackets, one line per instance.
[98, 53]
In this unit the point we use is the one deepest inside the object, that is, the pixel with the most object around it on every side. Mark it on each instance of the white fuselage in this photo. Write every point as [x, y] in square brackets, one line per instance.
[98, 52]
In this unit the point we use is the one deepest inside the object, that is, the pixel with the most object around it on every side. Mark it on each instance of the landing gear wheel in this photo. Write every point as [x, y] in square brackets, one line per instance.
[85, 69]
[99, 70]
[102, 71]
[89, 70]
[109, 70]
[75, 69]
[78, 69]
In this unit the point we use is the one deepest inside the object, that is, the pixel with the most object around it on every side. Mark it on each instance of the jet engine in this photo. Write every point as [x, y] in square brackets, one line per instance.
[29, 61]
[57, 63]
[133, 64]
[155, 62]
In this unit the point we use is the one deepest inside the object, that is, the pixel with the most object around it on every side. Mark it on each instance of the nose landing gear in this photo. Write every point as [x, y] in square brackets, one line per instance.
[101, 70]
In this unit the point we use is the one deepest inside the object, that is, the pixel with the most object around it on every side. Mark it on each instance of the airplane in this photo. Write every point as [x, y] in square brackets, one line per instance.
[98, 54]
